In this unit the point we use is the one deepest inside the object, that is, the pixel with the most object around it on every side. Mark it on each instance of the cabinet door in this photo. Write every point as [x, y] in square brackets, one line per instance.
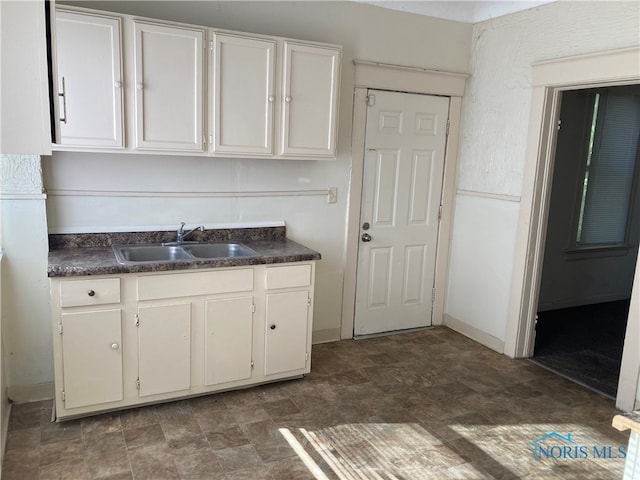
[310, 100]
[243, 95]
[164, 348]
[89, 80]
[287, 316]
[229, 339]
[92, 357]
[168, 87]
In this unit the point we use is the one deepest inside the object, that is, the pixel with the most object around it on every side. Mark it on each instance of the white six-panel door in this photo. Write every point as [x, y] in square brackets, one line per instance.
[402, 185]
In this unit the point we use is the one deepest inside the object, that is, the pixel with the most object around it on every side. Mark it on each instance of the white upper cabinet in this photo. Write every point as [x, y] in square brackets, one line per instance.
[243, 94]
[248, 95]
[309, 100]
[168, 87]
[89, 71]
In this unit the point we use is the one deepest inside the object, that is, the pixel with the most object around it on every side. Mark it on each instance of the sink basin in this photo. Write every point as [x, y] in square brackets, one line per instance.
[149, 253]
[172, 253]
[219, 250]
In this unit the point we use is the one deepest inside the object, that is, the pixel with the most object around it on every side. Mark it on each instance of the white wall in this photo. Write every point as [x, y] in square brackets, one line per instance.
[365, 32]
[494, 136]
[24, 129]
[26, 324]
[24, 124]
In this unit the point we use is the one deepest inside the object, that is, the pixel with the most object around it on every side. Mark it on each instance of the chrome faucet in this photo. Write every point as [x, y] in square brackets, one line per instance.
[181, 235]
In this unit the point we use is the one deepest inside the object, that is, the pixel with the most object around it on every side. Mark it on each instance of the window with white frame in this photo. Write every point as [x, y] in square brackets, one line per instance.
[605, 197]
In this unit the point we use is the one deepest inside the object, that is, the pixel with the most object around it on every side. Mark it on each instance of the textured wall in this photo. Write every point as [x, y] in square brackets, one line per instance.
[498, 97]
[494, 135]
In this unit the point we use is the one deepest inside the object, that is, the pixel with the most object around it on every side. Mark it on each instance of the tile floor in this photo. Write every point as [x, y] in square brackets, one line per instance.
[423, 405]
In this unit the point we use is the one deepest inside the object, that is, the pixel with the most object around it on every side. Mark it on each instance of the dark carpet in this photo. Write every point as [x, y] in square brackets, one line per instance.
[584, 343]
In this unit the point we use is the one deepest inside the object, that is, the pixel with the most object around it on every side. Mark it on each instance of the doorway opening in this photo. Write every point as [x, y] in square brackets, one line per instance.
[592, 236]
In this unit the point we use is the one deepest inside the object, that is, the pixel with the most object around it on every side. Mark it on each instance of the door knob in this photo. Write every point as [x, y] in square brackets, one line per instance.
[366, 237]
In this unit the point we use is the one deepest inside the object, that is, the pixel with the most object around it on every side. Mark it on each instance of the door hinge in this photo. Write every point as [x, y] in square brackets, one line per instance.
[440, 212]
[308, 301]
[252, 364]
[371, 100]
[559, 124]
[433, 295]
[253, 308]
[60, 328]
[306, 357]
[448, 127]
[137, 320]
[211, 46]
[63, 395]
[210, 139]
[138, 383]
[204, 139]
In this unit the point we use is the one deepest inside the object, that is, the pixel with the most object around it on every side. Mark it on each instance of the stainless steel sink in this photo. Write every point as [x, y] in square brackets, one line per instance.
[219, 250]
[154, 253]
[149, 253]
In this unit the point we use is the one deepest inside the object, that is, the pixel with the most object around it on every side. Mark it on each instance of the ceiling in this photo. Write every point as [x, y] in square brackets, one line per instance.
[459, 10]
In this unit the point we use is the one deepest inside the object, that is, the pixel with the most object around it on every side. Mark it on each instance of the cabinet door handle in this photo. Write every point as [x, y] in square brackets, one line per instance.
[271, 99]
[91, 293]
[272, 327]
[118, 84]
[115, 346]
[288, 99]
[63, 94]
[139, 86]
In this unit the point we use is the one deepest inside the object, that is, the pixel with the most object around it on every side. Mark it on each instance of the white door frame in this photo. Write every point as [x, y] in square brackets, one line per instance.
[550, 78]
[411, 80]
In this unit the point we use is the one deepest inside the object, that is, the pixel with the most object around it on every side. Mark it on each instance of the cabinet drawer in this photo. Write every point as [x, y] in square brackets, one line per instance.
[89, 292]
[288, 276]
[194, 284]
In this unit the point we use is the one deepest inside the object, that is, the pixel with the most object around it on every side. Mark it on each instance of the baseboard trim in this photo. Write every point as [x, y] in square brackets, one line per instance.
[31, 393]
[474, 333]
[326, 336]
[6, 414]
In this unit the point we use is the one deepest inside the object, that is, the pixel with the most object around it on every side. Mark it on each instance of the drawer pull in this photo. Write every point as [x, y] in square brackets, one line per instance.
[91, 293]
[115, 346]
[272, 327]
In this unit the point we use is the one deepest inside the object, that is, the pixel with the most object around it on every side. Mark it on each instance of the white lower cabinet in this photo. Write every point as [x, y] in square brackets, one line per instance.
[134, 339]
[286, 332]
[92, 357]
[229, 340]
[164, 348]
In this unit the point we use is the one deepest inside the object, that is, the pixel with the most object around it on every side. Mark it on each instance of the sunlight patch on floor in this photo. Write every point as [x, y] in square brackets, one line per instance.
[401, 451]
[376, 451]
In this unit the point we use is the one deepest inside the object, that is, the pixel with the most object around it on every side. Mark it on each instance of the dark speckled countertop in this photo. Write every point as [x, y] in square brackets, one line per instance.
[92, 254]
